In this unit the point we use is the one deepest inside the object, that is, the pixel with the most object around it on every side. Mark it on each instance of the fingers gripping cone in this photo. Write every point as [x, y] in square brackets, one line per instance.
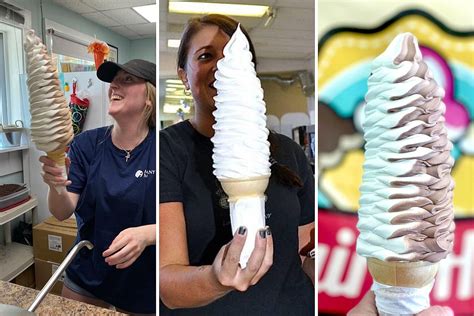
[59, 157]
[247, 208]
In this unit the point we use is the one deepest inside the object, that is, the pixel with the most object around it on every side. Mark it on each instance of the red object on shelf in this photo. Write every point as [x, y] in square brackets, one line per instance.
[15, 204]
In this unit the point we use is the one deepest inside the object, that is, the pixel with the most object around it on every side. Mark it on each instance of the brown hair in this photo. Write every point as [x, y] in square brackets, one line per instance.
[194, 25]
[228, 25]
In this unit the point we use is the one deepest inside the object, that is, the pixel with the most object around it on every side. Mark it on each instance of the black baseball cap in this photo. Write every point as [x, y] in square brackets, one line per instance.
[137, 67]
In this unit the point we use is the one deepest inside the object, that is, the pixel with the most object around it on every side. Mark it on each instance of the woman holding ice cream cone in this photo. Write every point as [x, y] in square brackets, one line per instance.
[111, 190]
[199, 253]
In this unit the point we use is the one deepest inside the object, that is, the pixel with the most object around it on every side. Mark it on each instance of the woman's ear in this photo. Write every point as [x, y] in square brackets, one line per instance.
[184, 77]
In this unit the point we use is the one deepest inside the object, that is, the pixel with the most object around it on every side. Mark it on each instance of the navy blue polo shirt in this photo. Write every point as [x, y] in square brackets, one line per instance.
[114, 195]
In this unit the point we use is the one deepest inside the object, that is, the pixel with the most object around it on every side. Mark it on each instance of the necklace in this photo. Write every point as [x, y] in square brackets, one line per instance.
[128, 153]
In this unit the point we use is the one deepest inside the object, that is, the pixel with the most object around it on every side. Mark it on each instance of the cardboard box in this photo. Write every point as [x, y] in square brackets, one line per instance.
[43, 272]
[52, 239]
[26, 278]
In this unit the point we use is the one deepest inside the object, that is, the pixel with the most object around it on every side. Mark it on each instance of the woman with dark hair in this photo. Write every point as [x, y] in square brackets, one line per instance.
[199, 257]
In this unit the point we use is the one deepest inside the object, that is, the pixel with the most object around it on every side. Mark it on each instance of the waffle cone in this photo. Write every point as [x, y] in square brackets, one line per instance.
[58, 156]
[401, 273]
[244, 188]
[98, 59]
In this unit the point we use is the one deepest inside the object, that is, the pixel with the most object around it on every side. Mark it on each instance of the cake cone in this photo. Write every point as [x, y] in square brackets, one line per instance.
[59, 157]
[402, 274]
[244, 188]
[247, 208]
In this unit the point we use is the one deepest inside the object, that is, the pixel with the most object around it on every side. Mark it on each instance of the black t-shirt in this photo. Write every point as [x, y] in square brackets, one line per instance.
[186, 175]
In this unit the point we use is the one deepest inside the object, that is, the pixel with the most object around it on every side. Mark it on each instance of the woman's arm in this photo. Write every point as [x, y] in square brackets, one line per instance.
[129, 245]
[305, 238]
[61, 206]
[185, 286]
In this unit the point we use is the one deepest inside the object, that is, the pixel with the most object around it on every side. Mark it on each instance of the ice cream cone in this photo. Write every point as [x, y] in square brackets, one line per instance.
[59, 157]
[401, 288]
[247, 208]
[98, 59]
[402, 274]
[244, 188]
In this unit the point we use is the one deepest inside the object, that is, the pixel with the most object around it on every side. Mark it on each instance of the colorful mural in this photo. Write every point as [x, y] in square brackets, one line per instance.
[344, 61]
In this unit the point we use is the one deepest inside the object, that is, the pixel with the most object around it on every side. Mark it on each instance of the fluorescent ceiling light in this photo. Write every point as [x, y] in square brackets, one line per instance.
[220, 8]
[174, 43]
[175, 81]
[175, 85]
[180, 97]
[149, 12]
[171, 108]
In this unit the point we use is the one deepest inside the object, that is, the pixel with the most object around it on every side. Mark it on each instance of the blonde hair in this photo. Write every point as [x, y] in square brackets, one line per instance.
[149, 112]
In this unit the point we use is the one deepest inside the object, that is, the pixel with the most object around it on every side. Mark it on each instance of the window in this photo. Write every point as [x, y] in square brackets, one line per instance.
[11, 70]
[68, 48]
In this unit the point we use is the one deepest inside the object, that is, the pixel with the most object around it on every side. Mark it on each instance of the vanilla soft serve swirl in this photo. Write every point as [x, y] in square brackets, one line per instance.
[241, 149]
[51, 126]
[406, 211]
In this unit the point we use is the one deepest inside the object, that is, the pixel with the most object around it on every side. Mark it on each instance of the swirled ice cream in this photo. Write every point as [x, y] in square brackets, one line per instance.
[406, 211]
[51, 126]
[241, 149]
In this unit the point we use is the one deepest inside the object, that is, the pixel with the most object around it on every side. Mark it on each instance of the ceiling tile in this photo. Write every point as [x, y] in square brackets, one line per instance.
[125, 16]
[103, 5]
[75, 6]
[101, 19]
[123, 30]
[143, 29]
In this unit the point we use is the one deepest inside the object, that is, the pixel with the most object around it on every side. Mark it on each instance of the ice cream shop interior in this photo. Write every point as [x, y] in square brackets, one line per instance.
[285, 63]
[348, 41]
[78, 36]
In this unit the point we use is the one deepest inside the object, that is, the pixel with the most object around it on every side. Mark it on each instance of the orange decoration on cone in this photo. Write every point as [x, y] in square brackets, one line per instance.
[100, 50]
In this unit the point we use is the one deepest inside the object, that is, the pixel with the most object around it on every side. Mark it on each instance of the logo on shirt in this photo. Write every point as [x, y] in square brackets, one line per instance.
[144, 173]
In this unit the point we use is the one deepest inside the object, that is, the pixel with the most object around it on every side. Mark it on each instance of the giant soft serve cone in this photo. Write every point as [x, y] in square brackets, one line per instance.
[406, 212]
[241, 150]
[51, 124]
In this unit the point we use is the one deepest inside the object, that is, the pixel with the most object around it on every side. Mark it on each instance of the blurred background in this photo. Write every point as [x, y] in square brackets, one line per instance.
[283, 36]
[350, 35]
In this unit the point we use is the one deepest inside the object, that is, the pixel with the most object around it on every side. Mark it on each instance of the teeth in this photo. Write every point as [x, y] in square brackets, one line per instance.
[116, 97]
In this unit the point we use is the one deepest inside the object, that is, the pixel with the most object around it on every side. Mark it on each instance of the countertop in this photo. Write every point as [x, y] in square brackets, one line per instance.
[13, 294]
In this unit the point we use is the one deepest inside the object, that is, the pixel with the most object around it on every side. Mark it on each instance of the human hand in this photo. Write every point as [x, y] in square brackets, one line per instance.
[226, 265]
[367, 307]
[52, 174]
[129, 245]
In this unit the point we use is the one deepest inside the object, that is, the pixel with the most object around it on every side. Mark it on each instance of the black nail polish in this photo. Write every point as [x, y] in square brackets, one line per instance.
[242, 230]
[262, 233]
[269, 231]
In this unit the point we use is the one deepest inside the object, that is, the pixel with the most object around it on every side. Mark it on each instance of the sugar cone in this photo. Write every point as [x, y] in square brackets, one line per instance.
[247, 208]
[402, 274]
[59, 157]
[98, 59]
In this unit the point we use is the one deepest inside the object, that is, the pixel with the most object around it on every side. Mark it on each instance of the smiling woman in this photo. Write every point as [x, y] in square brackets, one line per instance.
[111, 190]
[199, 251]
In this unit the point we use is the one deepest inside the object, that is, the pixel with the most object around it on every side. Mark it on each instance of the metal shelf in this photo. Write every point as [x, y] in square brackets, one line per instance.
[14, 259]
[21, 209]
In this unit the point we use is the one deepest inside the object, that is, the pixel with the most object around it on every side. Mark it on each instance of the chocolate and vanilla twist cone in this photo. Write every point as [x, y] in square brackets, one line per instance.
[406, 212]
[51, 124]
